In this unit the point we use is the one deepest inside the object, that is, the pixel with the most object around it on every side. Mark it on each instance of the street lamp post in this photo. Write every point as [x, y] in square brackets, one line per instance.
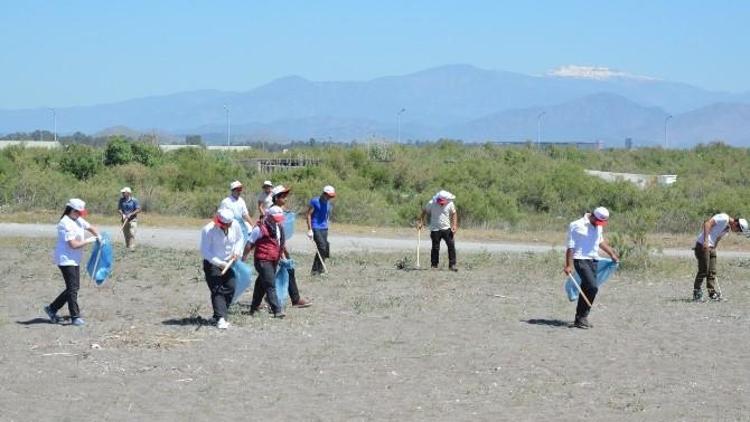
[398, 115]
[54, 123]
[666, 140]
[539, 129]
[226, 108]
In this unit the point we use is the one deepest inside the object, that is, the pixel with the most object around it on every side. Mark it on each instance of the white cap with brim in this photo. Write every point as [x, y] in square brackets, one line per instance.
[267, 183]
[602, 216]
[279, 189]
[744, 228]
[235, 185]
[226, 215]
[274, 210]
[329, 190]
[76, 204]
[126, 190]
[445, 195]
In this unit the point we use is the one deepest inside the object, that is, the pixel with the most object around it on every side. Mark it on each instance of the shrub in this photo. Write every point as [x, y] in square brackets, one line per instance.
[81, 161]
[118, 151]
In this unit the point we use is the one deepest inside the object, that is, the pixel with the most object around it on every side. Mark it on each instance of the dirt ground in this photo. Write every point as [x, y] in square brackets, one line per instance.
[490, 342]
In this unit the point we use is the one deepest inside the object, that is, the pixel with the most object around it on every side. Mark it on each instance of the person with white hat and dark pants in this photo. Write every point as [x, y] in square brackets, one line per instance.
[319, 212]
[237, 205]
[279, 195]
[712, 232]
[269, 244]
[265, 198]
[129, 208]
[68, 254]
[443, 226]
[221, 244]
[585, 238]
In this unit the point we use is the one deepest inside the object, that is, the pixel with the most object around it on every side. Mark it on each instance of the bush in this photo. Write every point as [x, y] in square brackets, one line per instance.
[118, 151]
[81, 161]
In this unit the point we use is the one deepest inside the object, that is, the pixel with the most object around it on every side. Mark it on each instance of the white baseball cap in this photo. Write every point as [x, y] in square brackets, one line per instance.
[279, 189]
[235, 185]
[744, 228]
[444, 194]
[329, 190]
[76, 204]
[225, 215]
[274, 210]
[602, 216]
[126, 190]
[267, 183]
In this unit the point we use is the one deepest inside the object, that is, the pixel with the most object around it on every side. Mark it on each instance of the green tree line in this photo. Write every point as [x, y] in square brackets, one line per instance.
[496, 186]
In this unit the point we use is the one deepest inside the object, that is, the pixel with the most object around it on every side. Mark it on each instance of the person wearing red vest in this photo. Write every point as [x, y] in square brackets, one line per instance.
[268, 241]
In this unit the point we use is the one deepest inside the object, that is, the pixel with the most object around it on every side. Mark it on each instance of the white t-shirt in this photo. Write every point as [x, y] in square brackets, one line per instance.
[584, 238]
[266, 199]
[717, 231]
[216, 247]
[69, 229]
[440, 216]
[237, 205]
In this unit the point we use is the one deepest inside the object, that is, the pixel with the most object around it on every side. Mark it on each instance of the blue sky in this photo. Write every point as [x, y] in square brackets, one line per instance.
[75, 52]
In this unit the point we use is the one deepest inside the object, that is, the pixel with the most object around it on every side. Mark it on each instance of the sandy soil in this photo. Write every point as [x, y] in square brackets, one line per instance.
[490, 342]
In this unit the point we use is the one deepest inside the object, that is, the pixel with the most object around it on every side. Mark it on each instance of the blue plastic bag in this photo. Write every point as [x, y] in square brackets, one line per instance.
[282, 280]
[243, 279]
[289, 219]
[604, 269]
[101, 260]
[243, 227]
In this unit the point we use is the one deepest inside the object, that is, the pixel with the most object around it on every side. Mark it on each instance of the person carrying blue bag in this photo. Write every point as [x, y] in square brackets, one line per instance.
[279, 196]
[68, 253]
[585, 238]
[269, 247]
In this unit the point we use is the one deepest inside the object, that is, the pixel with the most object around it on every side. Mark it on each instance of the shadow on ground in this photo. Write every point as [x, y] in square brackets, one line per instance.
[548, 322]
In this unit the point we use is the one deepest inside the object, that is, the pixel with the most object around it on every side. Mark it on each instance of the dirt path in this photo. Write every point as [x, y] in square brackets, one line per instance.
[185, 239]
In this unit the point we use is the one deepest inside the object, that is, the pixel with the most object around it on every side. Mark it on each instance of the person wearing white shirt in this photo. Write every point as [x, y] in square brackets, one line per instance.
[68, 254]
[585, 238]
[221, 244]
[713, 230]
[443, 226]
[265, 198]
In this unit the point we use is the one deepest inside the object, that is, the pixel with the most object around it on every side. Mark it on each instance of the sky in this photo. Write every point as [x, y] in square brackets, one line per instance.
[75, 52]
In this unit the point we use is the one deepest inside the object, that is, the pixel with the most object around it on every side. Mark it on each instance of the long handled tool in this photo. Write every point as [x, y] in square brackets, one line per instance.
[317, 251]
[588, 302]
[419, 244]
[229, 265]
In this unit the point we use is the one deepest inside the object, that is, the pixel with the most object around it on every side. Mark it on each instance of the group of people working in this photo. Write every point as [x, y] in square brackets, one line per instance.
[223, 242]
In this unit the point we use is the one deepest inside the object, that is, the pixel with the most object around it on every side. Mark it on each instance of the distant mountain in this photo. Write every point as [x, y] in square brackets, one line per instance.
[717, 122]
[456, 100]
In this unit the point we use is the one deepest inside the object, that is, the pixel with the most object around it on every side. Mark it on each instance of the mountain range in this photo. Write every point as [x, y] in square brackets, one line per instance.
[454, 101]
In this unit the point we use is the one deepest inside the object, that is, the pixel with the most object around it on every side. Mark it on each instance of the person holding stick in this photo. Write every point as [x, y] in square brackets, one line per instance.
[279, 196]
[712, 232]
[129, 208]
[443, 226]
[221, 245]
[318, 215]
[68, 253]
[585, 238]
[269, 242]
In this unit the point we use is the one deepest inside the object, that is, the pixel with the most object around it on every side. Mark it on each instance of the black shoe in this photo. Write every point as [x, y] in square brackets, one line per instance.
[253, 311]
[453, 268]
[697, 295]
[583, 323]
[715, 296]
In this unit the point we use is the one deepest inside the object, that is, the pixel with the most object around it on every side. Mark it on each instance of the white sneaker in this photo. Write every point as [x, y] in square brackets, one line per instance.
[222, 324]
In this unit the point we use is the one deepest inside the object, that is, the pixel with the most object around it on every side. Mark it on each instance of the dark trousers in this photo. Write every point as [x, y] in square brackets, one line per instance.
[586, 269]
[72, 276]
[265, 284]
[320, 236]
[447, 236]
[221, 287]
[706, 268]
[293, 290]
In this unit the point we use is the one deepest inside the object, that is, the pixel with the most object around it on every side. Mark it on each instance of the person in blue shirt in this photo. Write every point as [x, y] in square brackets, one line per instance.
[318, 214]
[129, 209]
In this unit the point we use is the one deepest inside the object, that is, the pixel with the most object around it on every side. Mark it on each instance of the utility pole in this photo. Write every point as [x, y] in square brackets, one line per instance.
[229, 127]
[398, 115]
[666, 140]
[539, 129]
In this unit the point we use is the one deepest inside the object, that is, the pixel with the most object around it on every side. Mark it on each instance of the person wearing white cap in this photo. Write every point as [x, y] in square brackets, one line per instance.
[129, 208]
[237, 205]
[585, 238]
[265, 198]
[319, 212]
[712, 232]
[269, 242]
[443, 226]
[221, 244]
[68, 254]
[280, 194]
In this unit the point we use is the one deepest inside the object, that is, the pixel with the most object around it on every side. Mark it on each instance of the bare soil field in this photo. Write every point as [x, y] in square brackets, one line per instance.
[490, 342]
